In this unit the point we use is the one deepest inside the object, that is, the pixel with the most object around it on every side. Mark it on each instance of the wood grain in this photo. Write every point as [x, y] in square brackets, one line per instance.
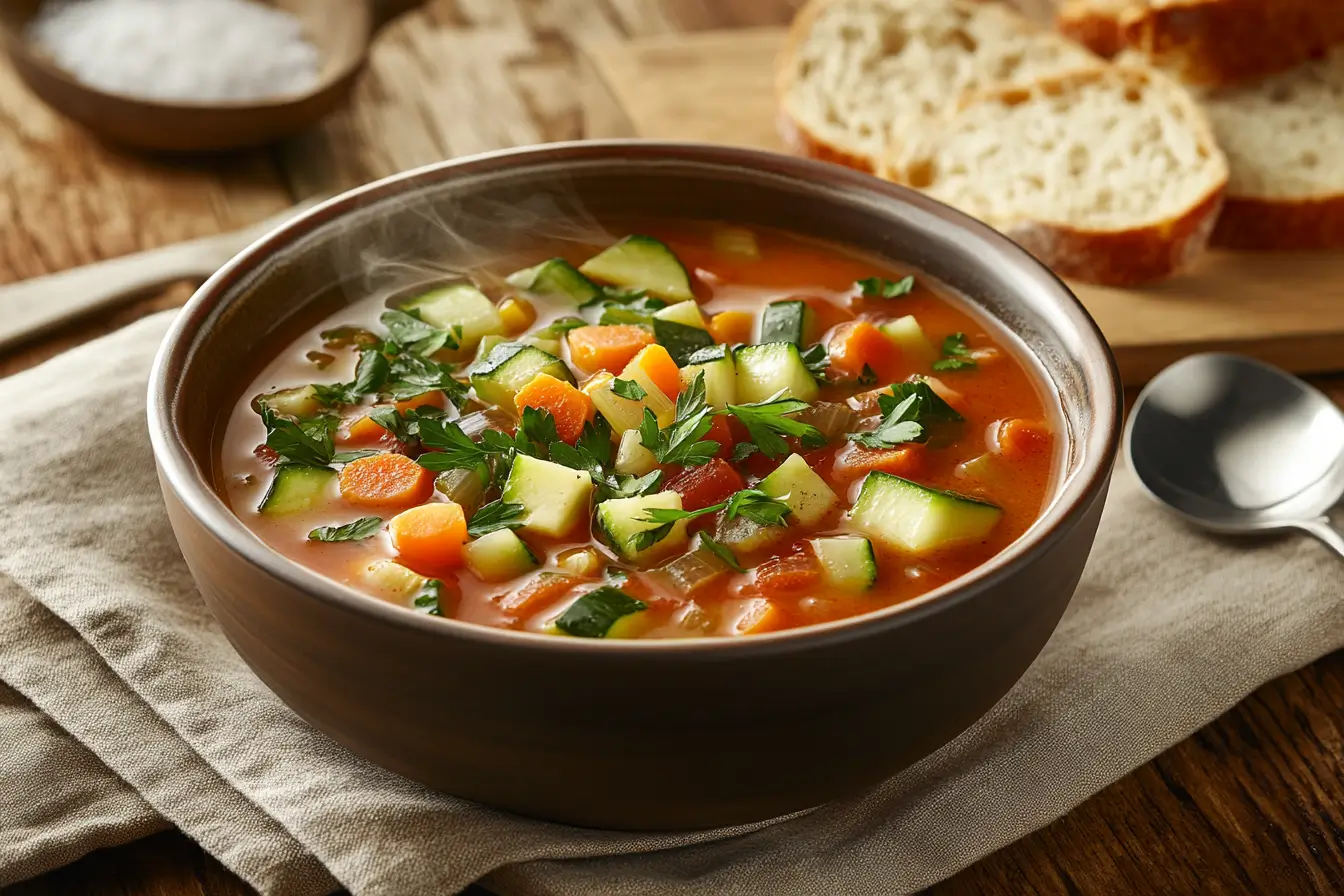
[1285, 308]
[1252, 803]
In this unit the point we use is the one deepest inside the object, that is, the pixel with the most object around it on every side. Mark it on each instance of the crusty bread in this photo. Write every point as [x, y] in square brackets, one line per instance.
[1209, 42]
[852, 72]
[1109, 175]
[1284, 139]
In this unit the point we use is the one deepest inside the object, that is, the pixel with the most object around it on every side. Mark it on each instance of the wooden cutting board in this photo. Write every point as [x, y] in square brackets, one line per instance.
[1287, 309]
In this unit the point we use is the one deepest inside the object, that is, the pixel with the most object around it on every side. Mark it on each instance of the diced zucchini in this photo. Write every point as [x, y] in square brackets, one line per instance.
[598, 613]
[685, 313]
[554, 498]
[499, 556]
[737, 241]
[847, 562]
[555, 279]
[299, 402]
[487, 345]
[716, 363]
[632, 458]
[987, 469]
[798, 486]
[549, 346]
[623, 414]
[460, 305]
[909, 337]
[393, 579]
[510, 367]
[296, 489]
[911, 517]
[619, 520]
[641, 262]
[763, 370]
[791, 321]
[680, 340]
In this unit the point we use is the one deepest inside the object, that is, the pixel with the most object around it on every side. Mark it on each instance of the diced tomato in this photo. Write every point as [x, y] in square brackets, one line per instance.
[1021, 439]
[761, 466]
[721, 432]
[708, 484]
[791, 573]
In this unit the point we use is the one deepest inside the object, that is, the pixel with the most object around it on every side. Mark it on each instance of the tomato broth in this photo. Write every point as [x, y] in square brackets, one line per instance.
[823, 499]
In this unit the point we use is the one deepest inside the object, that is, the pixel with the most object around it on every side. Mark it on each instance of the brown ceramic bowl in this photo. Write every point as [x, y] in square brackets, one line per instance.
[633, 735]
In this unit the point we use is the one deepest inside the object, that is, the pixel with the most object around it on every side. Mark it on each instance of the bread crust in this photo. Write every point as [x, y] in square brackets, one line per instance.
[1099, 32]
[1281, 225]
[1218, 42]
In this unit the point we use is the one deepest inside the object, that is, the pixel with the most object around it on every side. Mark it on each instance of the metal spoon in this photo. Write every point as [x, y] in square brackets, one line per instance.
[1239, 447]
[341, 32]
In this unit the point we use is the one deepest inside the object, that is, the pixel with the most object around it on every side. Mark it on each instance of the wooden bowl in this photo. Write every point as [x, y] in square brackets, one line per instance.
[624, 734]
[342, 40]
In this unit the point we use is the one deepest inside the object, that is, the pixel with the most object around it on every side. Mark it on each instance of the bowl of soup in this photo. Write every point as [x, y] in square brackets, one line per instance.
[636, 485]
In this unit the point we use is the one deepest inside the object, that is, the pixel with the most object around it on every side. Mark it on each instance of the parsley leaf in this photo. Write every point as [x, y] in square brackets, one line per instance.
[932, 406]
[907, 414]
[450, 448]
[409, 332]
[956, 356]
[767, 424]
[559, 327]
[370, 375]
[758, 507]
[816, 360]
[681, 442]
[428, 599]
[637, 311]
[596, 440]
[538, 426]
[751, 503]
[722, 551]
[666, 517]
[628, 389]
[867, 378]
[360, 529]
[413, 375]
[306, 444]
[495, 516]
[743, 450]
[878, 288]
[404, 427]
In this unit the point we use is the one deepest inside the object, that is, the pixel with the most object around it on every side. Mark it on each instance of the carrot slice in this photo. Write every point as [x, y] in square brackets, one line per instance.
[707, 484]
[430, 536]
[720, 431]
[1020, 439]
[423, 400]
[537, 592]
[607, 348]
[386, 480]
[732, 327]
[855, 461]
[364, 431]
[858, 344]
[661, 370]
[570, 407]
[786, 575]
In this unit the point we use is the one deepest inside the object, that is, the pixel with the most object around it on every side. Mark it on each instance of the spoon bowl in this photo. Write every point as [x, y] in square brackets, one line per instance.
[1239, 447]
[182, 126]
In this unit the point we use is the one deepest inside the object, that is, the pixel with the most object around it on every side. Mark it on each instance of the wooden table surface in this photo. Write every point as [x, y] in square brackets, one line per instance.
[1252, 803]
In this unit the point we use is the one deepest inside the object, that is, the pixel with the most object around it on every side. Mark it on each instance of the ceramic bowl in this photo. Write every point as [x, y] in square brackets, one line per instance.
[631, 735]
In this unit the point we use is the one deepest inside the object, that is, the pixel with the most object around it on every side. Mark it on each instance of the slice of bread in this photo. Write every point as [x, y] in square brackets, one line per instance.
[1284, 139]
[1109, 176]
[1209, 42]
[853, 72]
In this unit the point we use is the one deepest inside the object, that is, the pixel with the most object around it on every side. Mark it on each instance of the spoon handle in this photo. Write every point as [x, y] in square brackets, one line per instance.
[1327, 533]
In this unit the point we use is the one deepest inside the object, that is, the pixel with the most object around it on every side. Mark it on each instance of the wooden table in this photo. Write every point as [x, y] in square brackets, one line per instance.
[1252, 803]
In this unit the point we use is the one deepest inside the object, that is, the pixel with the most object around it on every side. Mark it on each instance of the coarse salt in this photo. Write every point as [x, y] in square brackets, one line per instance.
[183, 50]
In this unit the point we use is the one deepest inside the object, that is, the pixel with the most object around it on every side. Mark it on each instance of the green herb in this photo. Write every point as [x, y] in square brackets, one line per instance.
[956, 356]
[932, 408]
[559, 327]
[360, 529]
[767, 424]
[596, 440]
[906, 416]
[867, 378]
[743, 450]
[614, 295]
[593, 614]
[878, 288]
[429, 598]
[637, 486]
[306, 444]
[495, 516]
[636, 311]
[405, 427]
[758, 507]
[816, 360]
[628, 389]
[412, 375]
[592, 453]
[538, 427]
[751, 503]
[344, 337]
[682, 341]
[410, 333]
[370, 374]
[722, 551]
[449, 447]
[681, 442]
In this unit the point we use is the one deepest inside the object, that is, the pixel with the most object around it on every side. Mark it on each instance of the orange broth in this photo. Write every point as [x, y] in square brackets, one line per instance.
[1000, 388]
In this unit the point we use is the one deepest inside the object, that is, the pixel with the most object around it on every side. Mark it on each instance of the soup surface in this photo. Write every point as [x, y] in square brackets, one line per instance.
[707, 431]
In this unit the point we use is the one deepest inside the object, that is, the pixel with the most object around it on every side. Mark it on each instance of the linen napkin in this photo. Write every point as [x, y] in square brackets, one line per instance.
[151, 715]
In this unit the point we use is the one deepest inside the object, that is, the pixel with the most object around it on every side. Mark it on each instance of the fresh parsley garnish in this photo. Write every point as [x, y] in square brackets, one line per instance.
[360, 529]
[879, 288]
[449, 447]
[411, 375]
[495, 516]
[409, 332]
[628, 389]
[538, 426]
[743, 450]
[907, 415]
[867, 378]
[767, 424]
[559, 327]
[639, 311]
[370, 375]
[596, 440]
[307, 443]
[932, 406]
[751, 503]
[405, 427]
[592, 453]
[681, 442]
[816, 359]
[614, 295]
[722, 551]
[429, 598]
[956, 356]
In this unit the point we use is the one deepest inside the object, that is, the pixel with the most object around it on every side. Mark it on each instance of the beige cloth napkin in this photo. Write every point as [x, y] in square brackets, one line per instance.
[149, 715]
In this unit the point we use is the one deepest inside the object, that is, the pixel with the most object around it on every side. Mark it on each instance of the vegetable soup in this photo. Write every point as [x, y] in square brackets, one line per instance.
[704, 431]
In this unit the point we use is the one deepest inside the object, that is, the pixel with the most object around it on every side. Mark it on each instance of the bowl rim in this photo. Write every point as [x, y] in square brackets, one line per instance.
[1072, 496]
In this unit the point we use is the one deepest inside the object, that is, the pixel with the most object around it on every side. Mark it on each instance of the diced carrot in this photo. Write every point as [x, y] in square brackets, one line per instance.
[661, 370]
[827, 314]
[430, 536]
[721, 432]
[386, 480]
[607, 348]
[1020, 439]
[858, 344]
[365, 432]
[423, 400]
[855, 461]
[537, 592]
[788, 574]
[707, 484]
[570, 407]
[760, 615]
[732, 327]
